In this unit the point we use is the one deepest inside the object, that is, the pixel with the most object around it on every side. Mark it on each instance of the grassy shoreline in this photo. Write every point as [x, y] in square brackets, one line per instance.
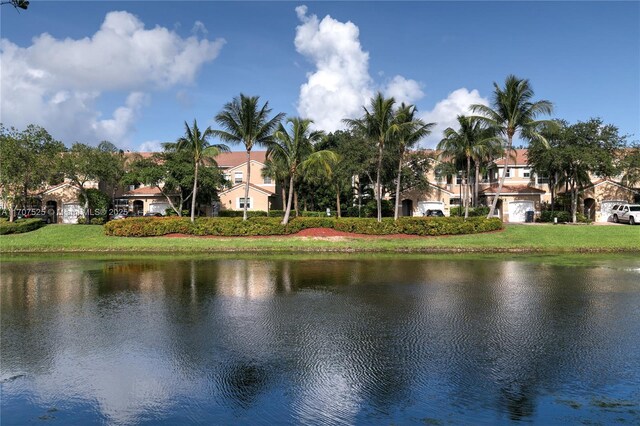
[514, 239]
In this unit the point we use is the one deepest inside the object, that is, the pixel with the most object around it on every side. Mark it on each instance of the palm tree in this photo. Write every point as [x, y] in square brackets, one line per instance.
[243, 121]
[378, 125]
[321, 167]
[513, 111]
[471, 142]
[294, 148]
[410, 130]
[195, 142]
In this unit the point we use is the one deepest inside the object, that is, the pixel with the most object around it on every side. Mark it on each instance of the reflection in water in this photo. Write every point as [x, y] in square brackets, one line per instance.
[318, 341]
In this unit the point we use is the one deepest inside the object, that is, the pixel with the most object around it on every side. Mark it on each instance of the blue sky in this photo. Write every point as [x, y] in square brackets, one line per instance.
[133, 77]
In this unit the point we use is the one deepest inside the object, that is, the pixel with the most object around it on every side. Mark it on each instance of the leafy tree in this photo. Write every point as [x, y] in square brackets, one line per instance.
[294, 148]
[18, 4]
[377, 124]
[243, 121]
[197, 145]
[470, 142]
[513, 111]
[410, 130]
[29, 160]
[579, 151]
[83, 165]
[630, 165]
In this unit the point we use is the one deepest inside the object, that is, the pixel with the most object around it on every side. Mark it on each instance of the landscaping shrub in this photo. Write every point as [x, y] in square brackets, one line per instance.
[563, 216]
[239, 213]
[20, 226]
[260, 226]
[370, 209]
[473, 211]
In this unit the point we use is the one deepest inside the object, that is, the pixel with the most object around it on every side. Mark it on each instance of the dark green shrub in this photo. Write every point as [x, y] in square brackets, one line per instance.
[258, 226]
[276, 213]
[370, 209]
[98, 202]
[239, 213]
[473, 211]
[20, 226]
[97, 221]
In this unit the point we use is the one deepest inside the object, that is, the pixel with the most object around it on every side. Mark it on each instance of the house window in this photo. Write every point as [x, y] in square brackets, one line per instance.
[241, 203]
[526, 173]
[543, 179]
[508, 173]
[237, 177]
[267, 180]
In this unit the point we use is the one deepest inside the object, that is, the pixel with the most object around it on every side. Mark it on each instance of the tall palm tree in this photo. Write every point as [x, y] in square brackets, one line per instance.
[513, 111]
[471, 142]
[378, 125]
[243, 121]
[410, 130]
[196, 142]
[293, 147]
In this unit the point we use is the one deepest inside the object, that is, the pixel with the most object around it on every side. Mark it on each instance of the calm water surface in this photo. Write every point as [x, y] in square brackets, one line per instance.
[335, 341]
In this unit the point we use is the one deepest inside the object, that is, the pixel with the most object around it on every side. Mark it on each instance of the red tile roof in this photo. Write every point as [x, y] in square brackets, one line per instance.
[251, 185]
[512, 189]
[145, 190]
[233, 159]
[520, 158]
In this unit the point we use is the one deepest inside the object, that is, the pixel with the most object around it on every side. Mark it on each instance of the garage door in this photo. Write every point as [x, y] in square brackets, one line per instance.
[70, 213]
[423, 206]
[518, 210]
[158, 207]
[605, 209]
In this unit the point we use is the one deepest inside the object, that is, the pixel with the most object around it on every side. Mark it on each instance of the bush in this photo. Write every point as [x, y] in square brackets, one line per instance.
[240, 213]
[473, 211]
[370, 209]
[20, 226]
[260, 226]
[563, 216]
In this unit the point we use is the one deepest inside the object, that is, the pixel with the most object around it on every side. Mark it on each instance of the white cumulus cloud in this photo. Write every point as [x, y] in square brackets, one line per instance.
[445, 113]
[341, 84]
[404, 90]
[56, 83]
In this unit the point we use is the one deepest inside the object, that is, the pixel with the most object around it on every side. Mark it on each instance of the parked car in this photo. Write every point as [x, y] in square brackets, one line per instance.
[434, 213]
[151, 214]
[122, 215]
[43, 216]
[627, 213]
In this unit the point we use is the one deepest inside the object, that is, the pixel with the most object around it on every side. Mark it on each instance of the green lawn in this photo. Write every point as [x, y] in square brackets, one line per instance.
[515, 238]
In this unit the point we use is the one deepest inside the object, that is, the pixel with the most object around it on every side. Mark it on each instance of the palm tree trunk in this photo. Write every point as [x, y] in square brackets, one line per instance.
[287, 211]
[284, 194]
[378, 187]
[338, 200]
[246, 186]
[395, 215]
[193, 194]
[504, 175]
[466, 189]
[476, 185]
[295, 202]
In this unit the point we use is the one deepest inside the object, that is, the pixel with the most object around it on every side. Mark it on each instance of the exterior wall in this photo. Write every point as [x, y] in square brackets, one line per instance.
[259, 200]
[256, 175]
[64, 195]
[606, 191]
[506, 199]
[435, 194]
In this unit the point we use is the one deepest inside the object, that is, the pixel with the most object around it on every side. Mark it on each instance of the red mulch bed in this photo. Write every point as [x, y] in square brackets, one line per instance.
[310, 232]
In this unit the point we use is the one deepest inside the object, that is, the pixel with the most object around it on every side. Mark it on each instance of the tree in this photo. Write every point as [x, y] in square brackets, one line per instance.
[513, 111]
[579, 151]
[197, 145]
[82, 166]
[470, 142]
[294, 148]
[18, 4]
[378, 126]
[410, 130]
[242, 121]
[630, 165]
[29, 160]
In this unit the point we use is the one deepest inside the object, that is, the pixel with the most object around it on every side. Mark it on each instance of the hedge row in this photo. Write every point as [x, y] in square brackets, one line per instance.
[257, 226]
[563, 216]
[20, 226]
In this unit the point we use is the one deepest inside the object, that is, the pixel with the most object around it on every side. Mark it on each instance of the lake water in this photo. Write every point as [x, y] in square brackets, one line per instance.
[338, 340]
